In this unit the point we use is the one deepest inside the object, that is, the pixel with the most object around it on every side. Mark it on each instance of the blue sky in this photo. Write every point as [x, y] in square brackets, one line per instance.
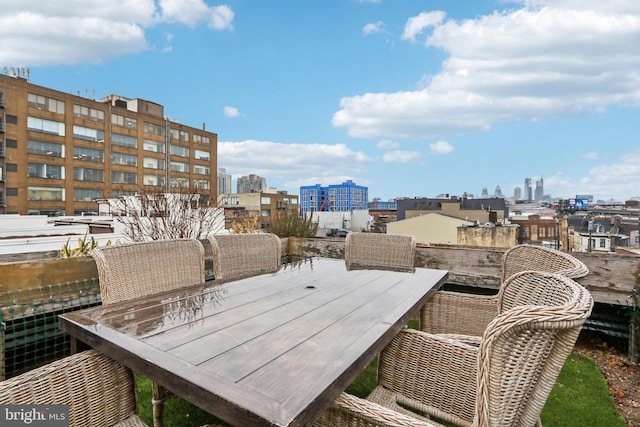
[408, 97]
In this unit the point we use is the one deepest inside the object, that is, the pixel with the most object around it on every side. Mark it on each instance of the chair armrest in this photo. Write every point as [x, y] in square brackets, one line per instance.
[431, 373]
[349, 410]
[458, 313]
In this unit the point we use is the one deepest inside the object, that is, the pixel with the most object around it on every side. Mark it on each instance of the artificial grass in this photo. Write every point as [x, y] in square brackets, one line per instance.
[580, 398]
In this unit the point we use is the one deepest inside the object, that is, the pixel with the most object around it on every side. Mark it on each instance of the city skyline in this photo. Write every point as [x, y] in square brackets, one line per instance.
[410, 98]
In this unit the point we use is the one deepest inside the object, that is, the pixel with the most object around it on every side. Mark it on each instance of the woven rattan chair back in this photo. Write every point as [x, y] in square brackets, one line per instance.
[524, 348]
[99, 391]
[133, 270]
[530, 257]
[376, 250]
[535, 288]
[246, 254]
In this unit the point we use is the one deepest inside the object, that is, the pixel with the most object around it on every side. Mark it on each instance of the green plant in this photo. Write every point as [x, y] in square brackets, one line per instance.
[289, 223]
[84, 247]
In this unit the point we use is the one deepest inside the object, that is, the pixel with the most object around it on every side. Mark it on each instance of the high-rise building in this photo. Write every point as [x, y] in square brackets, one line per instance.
[251, 184]
[528, 193]
[498, 192]
[485, 193]
[59, 152]
[343, 197]
[517, 193]
[539, 193]
[224, 181]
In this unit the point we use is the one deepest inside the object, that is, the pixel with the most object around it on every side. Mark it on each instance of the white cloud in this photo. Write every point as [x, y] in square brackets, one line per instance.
[532, 63]
[398, 156]
[441, 147]
[290, 161]
[231, 112]
[34, 33]
[192, 12]
[416, 24]
[373, 28]
[590, 156]
[618, 180]
[386, 144]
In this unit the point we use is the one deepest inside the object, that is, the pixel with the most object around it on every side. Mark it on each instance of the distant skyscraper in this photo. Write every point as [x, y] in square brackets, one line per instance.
[528, 192]
[498, 192]
[539, 194]
[224, 182]
[517, 193]
[485, 193]
[251, 184]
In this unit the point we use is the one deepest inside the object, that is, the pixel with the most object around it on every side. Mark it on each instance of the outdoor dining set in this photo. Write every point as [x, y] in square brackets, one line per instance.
[267, 343]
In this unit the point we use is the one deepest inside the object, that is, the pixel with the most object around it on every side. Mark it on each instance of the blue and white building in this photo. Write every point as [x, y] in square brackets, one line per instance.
[345, 197]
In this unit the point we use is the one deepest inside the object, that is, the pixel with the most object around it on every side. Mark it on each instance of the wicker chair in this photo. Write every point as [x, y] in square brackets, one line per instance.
[246, 254]
[137, 269]
[530, 257]
[99, 391]
[376, 250]
[500, 379]
[469, 314]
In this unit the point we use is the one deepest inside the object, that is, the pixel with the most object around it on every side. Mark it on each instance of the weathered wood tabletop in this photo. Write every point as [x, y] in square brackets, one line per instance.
[274, 349]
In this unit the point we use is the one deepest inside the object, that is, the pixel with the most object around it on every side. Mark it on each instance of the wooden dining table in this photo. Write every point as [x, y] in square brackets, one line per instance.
[269, 350]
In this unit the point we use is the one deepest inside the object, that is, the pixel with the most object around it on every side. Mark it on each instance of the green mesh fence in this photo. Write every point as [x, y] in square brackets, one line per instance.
[29, 334]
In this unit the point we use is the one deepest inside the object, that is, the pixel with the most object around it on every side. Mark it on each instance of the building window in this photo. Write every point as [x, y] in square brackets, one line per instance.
[231, 201]
[151, 163]
[12, 167]
[124, 159]
[45, 193]
[11, 120]
[88, 113]
[86, 174]
[45, 126]
[123, 193]
[154, 146]
[179, 182]
[124, 177]
[12, 192]
[265, 200]
[603, 243]
[177, 150]
[180, 135]
[154, 180]
[154, 129]
[43, 103]
[124, 122]
[86, 194]
[201, 170]
[202, 155]
[179, 167]
[88, 154]
[42, 148]
[202, 184]
[88, 134]
[11, 143]
[201, 139]
[124, 140]
[39, 170]
[265, 212]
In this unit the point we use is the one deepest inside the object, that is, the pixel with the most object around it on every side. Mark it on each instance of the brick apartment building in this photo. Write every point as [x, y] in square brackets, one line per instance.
[59, 152]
